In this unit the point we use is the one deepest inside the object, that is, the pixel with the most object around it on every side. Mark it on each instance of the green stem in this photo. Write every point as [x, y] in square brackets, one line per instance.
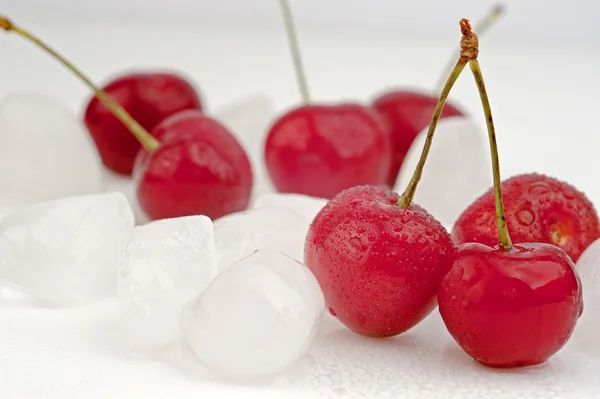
[505, 242]
[149, 143]
[409, 193]
[290, 28]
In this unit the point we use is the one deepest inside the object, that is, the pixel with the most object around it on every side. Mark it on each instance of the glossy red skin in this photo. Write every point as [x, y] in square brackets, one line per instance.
[511, 309]
[320, 150]
[199, 169]
[405, 114]
[538, 209]
[148, 98]
[379, 265]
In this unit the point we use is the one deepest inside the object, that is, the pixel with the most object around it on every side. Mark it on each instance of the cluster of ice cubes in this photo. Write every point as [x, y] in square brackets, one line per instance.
[237, 293]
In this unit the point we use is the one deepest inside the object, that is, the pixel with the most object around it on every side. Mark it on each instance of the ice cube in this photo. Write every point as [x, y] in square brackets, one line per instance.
[305, 205]
[45, 153]
[125, 185]
[165, 264]
[587, 331]
[239, 234]
[457, 171]
[257, 317]
[66, 251]
[249, 120]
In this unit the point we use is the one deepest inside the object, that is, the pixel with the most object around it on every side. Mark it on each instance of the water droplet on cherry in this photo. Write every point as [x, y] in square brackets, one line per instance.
[538, 189]
[525, 216]
[357, 243]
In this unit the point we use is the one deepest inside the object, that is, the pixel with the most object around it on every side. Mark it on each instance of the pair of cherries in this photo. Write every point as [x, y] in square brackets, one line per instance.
[383, 262]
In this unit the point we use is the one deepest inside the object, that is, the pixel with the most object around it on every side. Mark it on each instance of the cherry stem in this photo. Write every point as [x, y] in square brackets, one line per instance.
[292, 36]
[149, 143]
[469, 50]
[481, 27]
[505, 242]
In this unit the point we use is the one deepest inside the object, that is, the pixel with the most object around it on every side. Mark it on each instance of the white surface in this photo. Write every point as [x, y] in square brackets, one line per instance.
[239, 234]
[45, 153]
[80, 355]
[458, 169]
[66, 251]
[165, 264]
[274, 300]
[543, 99]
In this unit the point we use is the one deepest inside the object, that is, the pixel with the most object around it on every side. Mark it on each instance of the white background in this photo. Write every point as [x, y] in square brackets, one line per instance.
[540, 63]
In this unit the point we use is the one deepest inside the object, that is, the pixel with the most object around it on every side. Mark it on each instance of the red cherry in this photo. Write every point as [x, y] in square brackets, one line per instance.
[511, 308]
[508, 306]
[321, 150]
[379, 265]
[148, 98]
[199, 169]
[538, 209]
[405, 114]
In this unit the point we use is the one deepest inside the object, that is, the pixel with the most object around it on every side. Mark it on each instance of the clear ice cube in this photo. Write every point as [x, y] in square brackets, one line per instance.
[249, 119]
[587, 332]
[65, 252]
[257, 318]
[457, 171]
[165, 264]
[45, 152]
[239, 234]
[304, 205]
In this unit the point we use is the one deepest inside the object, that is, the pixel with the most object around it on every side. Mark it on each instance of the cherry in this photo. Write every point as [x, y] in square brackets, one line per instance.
[379, 265]
[148, 98]
[406, 112]
[539, 209]
[508, 306]
[510, 309]
[319, 150]
[378, 258]
[198, 167]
